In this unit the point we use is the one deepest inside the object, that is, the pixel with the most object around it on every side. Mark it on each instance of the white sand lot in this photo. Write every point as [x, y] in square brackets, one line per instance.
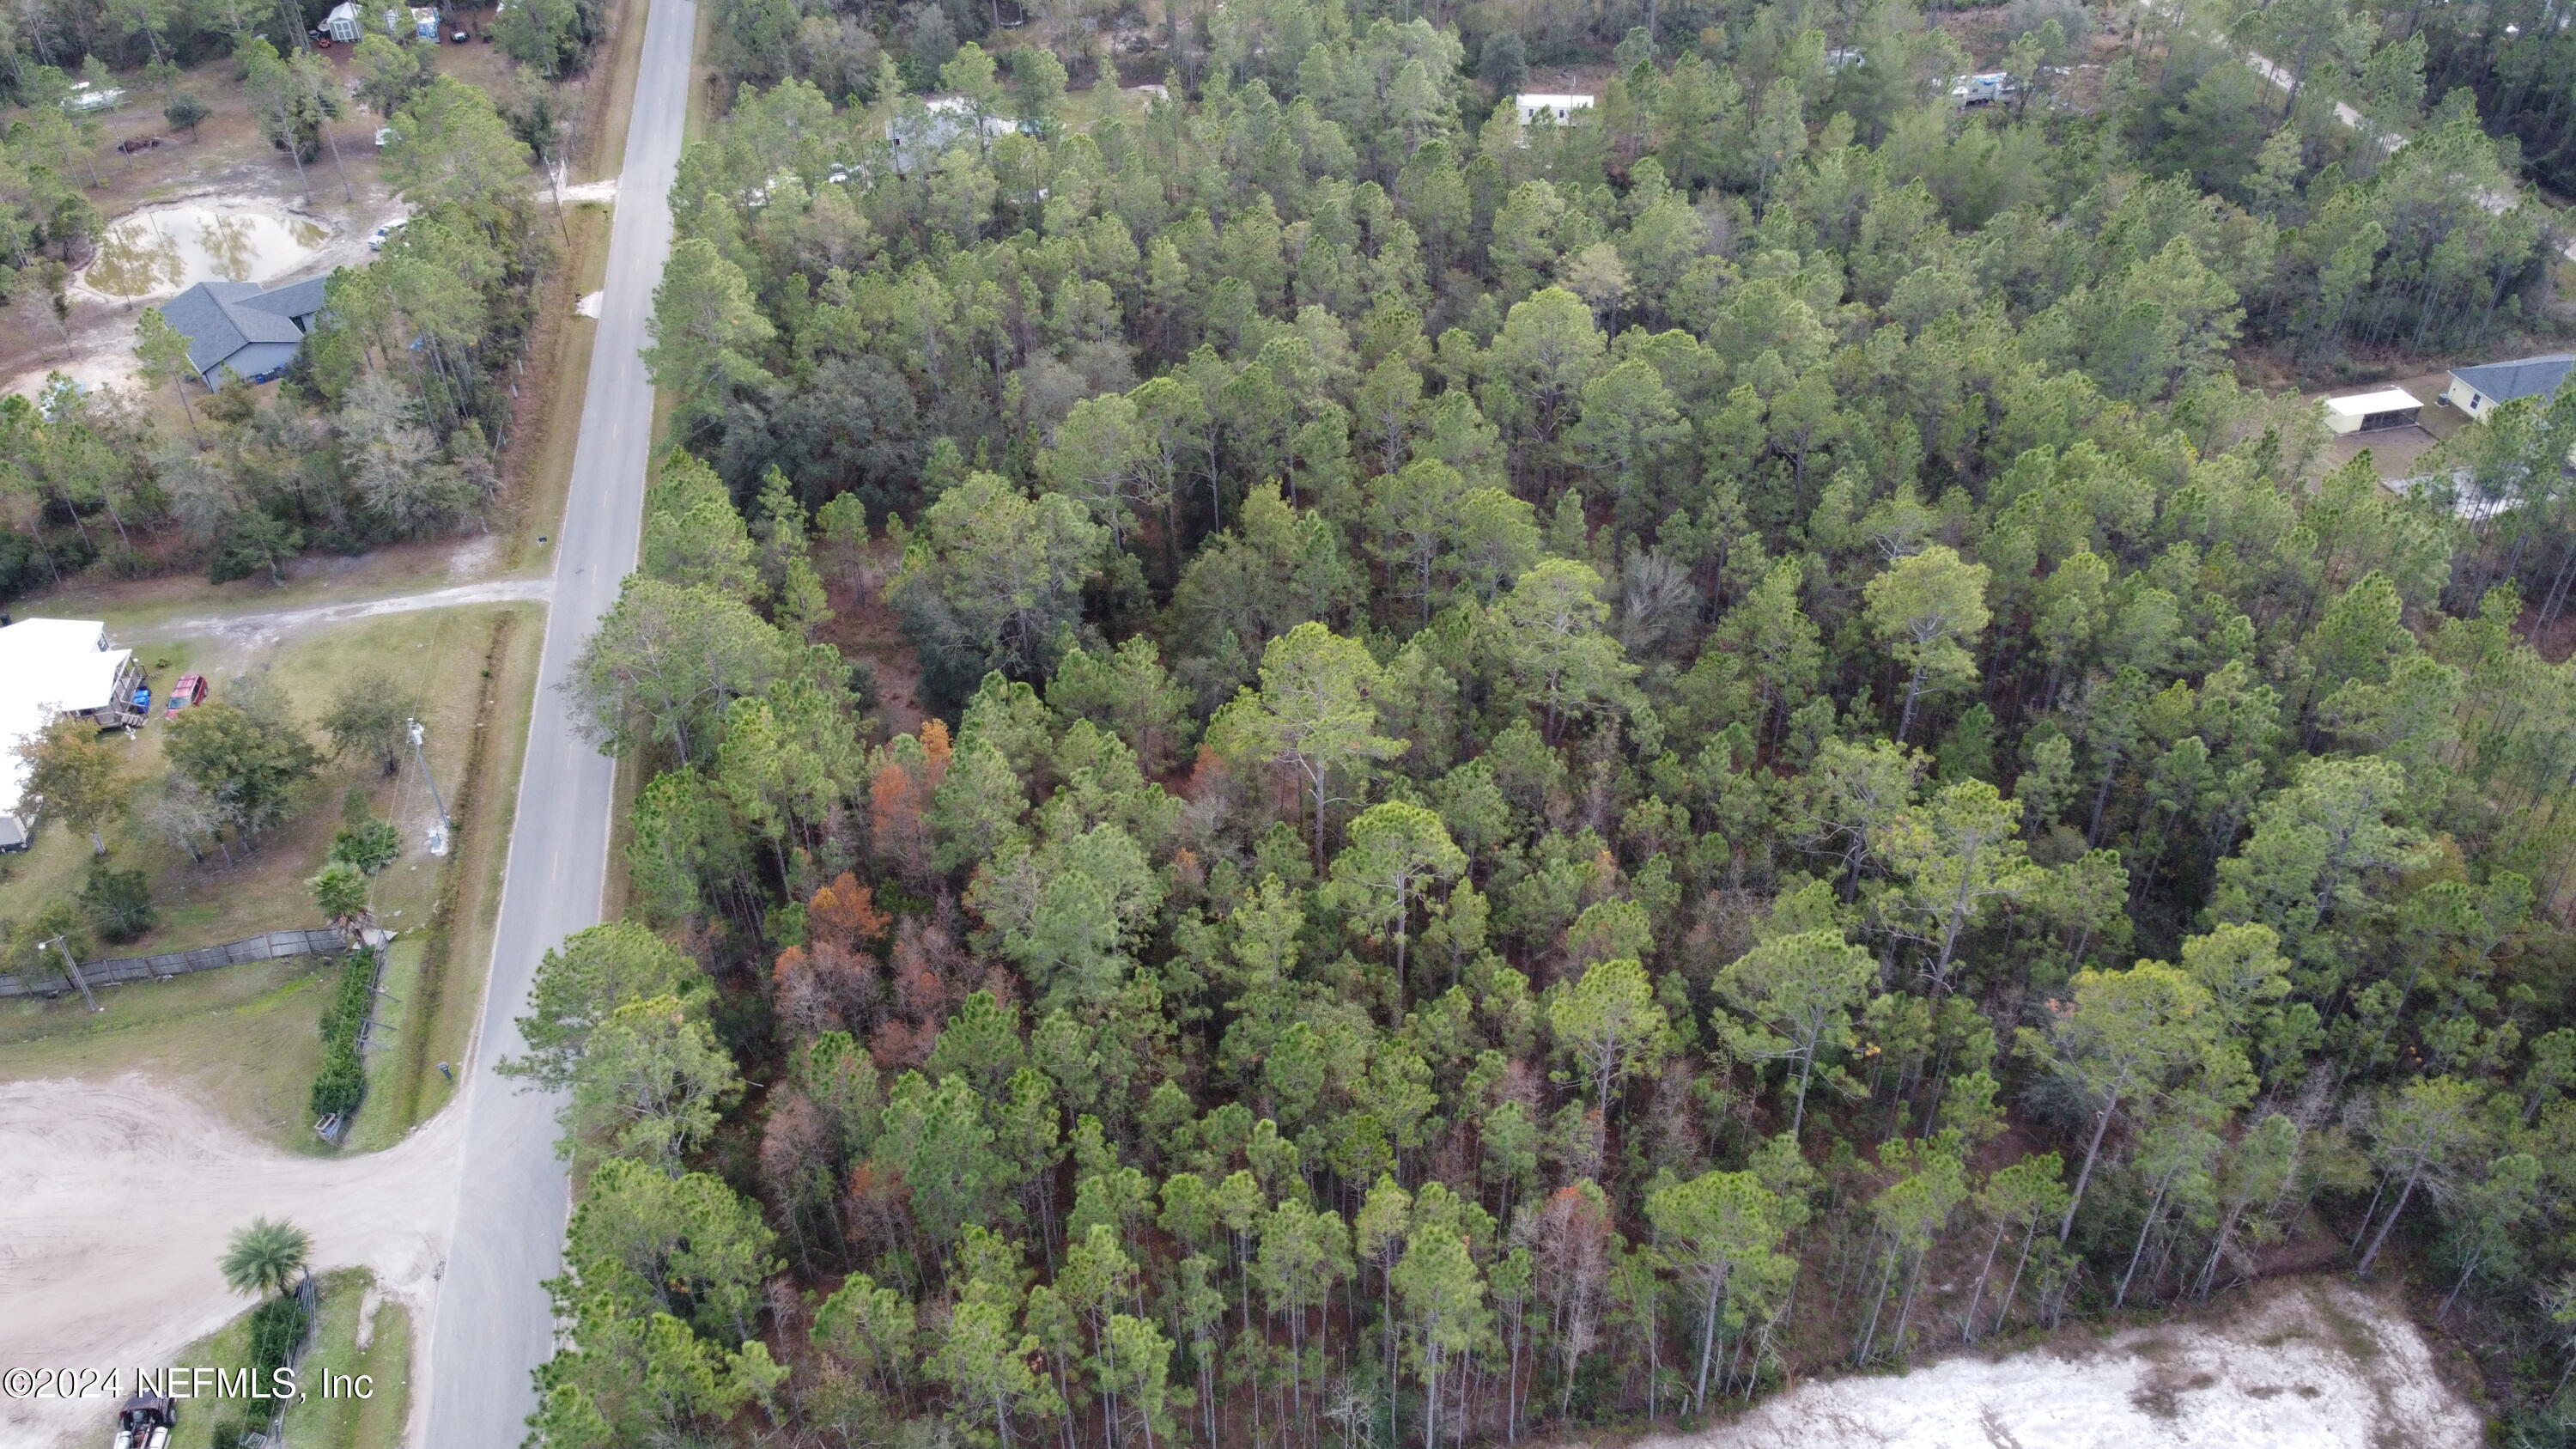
[116, 1198]
[2310, 1364]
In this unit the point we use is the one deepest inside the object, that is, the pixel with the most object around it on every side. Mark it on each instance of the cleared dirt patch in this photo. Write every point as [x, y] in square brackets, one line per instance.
[117, 1198]
[2308, 1364]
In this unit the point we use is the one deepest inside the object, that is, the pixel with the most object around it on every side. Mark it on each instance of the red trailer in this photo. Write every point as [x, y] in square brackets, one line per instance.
[191, 689]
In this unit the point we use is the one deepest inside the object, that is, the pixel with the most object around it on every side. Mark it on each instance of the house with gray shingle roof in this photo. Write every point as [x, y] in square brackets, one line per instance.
[2477, 390]
[242, 329]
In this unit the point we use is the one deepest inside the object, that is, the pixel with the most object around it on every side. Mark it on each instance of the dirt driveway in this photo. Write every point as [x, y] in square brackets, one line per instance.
[116, 1199]
[272, 624]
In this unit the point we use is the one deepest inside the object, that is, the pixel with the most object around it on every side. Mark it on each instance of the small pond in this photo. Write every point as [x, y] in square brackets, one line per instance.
[163, 250]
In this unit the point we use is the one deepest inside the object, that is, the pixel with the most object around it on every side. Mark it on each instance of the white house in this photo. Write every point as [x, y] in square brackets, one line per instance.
[2390, 407]
[2477, 390]
[1559, 109]
[51, 669]
[919, 137]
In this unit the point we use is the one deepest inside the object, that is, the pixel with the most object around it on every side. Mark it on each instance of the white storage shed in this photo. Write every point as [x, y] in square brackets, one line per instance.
[2390, 407]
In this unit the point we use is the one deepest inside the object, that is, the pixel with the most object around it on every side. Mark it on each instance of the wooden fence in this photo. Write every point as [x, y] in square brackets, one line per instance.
[273, 946]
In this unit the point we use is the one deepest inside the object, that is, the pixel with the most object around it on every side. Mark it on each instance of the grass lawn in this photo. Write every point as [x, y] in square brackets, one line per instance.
[608, 96]
[246, 1040]
[344, 1422]
[550, 424]
[474, 668]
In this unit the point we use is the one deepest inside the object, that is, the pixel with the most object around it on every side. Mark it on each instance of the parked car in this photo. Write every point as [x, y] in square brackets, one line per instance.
[383, 234]
[191, 689]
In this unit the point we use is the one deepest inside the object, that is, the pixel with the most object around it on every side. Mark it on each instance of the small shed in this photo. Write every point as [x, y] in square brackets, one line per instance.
[344, 24]
[2369, 412]
[424, 23]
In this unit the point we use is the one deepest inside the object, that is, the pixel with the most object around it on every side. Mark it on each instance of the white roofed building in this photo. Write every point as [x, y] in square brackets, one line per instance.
[1559, 109]
[50, 669]
[2368, 412]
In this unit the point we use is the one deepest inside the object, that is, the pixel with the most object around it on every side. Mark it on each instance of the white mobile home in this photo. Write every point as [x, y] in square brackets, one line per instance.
[53, 669]
[1559, 109]
[1990, 88]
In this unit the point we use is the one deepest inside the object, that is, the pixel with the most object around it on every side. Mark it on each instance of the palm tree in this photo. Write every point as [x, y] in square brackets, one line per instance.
[266, 1257]
[341, 891]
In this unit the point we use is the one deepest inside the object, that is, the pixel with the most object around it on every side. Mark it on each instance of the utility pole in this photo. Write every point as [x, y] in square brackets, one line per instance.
[438, 832]
[73, 967]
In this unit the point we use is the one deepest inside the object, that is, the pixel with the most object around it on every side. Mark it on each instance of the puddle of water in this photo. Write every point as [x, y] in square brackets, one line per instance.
[163, 250]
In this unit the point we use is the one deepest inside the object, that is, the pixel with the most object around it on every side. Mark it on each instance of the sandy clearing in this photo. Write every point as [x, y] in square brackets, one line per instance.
[271, 624]
[2309, 1364]
[109, 363]
[474, 557]
[116, 1198]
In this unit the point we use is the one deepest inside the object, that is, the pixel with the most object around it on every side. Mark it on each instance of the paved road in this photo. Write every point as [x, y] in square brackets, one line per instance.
[491, 1324]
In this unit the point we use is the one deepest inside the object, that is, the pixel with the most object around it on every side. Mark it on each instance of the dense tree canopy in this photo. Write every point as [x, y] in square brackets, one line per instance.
[1594, 764]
